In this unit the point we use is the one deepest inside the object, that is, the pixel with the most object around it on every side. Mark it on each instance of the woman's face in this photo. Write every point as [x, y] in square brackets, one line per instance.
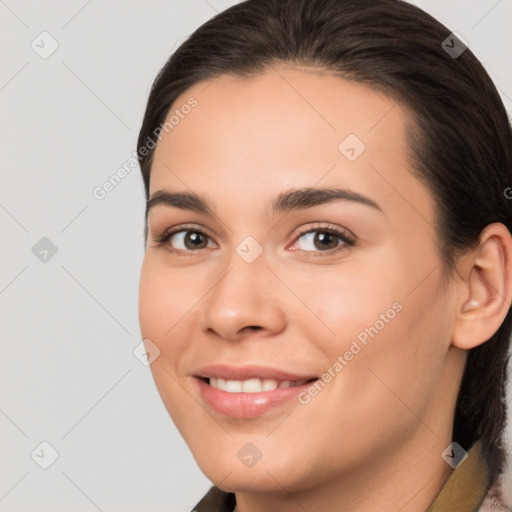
[244, 290]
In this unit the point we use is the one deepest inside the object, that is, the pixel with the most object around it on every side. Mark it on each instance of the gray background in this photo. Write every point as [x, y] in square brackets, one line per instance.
[70, 323]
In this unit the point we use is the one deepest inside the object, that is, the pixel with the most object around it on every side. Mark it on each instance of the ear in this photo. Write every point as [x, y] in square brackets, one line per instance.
[486, 292]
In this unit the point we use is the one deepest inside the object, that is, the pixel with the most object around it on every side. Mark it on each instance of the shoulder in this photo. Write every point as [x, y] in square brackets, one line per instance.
[216, 500]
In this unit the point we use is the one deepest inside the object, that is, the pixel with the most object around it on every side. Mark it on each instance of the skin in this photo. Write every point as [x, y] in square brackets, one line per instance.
[372, 439]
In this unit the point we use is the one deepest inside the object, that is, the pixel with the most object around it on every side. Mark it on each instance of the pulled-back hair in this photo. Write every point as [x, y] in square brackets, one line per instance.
[460, 141]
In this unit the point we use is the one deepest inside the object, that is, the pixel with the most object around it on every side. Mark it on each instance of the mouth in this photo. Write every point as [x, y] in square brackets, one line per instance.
[248, 392]
[253, 385]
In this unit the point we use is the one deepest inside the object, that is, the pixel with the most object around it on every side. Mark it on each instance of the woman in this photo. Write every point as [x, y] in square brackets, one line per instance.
[327, 275]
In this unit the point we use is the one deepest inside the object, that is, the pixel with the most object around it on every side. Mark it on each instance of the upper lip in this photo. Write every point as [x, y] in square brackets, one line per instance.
[227, 372]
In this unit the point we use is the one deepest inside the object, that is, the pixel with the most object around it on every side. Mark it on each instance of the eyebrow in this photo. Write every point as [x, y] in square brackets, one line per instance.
[294, 199]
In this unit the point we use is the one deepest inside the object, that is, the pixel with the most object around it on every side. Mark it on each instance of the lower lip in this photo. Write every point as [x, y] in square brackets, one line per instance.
[246, 405]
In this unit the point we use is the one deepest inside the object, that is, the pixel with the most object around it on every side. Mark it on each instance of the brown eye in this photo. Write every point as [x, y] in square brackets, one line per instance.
[185, 240]
[320, 240]
[194, 240]
[324, 240]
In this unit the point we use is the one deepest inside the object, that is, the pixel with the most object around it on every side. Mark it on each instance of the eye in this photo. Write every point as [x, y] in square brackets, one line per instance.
[184, 240]
[323, 239]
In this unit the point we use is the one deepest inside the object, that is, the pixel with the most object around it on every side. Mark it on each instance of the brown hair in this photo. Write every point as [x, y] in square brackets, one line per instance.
[460, 139]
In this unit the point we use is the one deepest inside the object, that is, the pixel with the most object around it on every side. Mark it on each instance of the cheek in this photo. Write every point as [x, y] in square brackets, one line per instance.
[342, 304]
[164, 301]
[376, 321]
[163, 320]
[401, 353]
[150, 294]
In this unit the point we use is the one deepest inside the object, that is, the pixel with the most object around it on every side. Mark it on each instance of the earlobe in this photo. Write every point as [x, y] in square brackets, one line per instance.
[486, 296]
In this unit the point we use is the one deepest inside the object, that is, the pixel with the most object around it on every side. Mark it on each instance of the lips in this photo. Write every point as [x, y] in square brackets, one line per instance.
[250, 391]
[249, 372]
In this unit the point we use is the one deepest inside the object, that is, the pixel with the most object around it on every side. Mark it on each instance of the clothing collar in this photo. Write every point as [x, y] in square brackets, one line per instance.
[466, 488]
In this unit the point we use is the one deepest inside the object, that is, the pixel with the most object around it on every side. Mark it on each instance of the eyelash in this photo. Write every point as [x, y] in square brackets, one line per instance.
[348, 240]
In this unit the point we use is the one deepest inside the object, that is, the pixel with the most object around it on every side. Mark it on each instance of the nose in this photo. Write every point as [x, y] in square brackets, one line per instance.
[244, 300]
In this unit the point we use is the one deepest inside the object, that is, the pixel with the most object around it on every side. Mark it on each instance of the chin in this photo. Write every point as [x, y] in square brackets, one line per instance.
[270, 473]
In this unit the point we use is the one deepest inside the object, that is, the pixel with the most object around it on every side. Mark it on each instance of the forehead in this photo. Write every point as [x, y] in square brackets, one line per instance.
[250, 138]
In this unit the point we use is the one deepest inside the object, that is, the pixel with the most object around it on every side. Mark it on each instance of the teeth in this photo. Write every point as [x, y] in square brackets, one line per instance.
[269, 385]
[232, 386]
[252, 385]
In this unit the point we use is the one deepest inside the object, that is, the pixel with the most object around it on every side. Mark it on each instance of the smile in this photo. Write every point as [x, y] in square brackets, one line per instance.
[248, 391]
[254, 385]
